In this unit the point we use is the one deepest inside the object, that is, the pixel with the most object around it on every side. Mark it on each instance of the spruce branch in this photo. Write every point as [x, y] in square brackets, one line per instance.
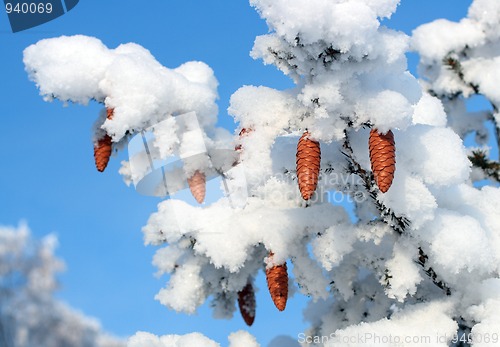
[329, 55]
[452, 61]
[429, 271]
[284, 58]
[491, 168]
[497, 136]
[496, 125]
[398, 223]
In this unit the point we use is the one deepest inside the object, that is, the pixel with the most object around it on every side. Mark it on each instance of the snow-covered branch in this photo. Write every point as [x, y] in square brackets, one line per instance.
[460, 60]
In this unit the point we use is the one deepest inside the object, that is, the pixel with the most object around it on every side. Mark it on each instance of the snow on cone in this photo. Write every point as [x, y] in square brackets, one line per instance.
[277, 283]
[197, 185]
[383, 158]
[247, 303]
[103, 148]
[308, 165]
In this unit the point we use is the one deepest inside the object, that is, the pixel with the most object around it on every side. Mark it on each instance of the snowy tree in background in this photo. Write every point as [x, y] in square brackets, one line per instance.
[418, 264]
[29, 314]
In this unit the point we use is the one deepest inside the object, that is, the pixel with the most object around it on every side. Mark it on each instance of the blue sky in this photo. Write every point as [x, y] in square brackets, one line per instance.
[48, 176]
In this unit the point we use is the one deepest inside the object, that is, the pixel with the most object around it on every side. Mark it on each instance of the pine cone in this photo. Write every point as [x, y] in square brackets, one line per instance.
[308, 164]
[382, 158]
[103, 148]
[109, 113]
[277, 282]
[197, 184]
[246, 303]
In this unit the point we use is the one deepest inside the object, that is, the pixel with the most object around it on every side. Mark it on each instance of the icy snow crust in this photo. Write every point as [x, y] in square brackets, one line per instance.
[421, 258]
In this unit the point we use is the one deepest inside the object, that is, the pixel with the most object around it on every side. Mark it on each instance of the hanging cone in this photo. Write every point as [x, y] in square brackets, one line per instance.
[103, 148]
[246, 303]
[277, 282]
[383, 158]
[197, 184]
[308, 164]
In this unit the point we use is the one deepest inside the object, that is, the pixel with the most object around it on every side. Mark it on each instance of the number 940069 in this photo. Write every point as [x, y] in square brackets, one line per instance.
[26, 8]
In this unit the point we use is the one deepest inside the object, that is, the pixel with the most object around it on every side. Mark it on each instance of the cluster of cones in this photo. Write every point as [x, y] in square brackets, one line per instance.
[382, 151]
[104, 147]
[383, 163]
[276, 276]
[382, 157]
[277, 283]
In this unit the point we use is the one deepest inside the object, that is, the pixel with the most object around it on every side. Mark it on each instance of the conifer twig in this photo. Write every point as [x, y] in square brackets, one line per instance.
[491, 168]
[397, 223]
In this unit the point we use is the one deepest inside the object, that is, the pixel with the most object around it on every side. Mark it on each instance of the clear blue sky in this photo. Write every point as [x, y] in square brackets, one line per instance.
[48, 176]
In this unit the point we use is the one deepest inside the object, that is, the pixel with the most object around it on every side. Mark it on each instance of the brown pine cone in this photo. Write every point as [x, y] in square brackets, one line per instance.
[277, 282]
[308, 165]
[247, 303]
[110, 112]
[102, 152]
[197, 185]
[383, 158]
[103, 148]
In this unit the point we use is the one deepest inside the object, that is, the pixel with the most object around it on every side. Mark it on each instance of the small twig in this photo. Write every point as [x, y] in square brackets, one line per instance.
[491, 168]
[463, 333]
[429, 271]
[497, 127]
[455, 65]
